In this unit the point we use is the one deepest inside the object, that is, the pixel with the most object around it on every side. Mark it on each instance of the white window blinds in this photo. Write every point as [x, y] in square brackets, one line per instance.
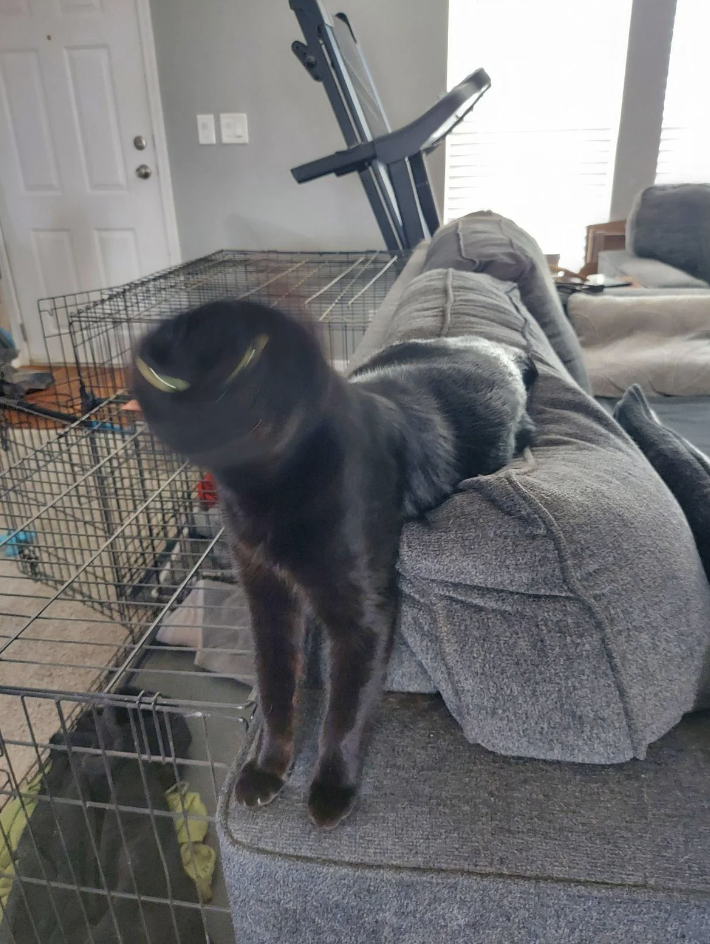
[540, 145]
[684, 154]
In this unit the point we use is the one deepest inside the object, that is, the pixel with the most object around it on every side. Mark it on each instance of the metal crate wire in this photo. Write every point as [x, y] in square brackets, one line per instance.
[107, 539]
[69, 488]
[100, 857]
[89, 337]
[101, 543]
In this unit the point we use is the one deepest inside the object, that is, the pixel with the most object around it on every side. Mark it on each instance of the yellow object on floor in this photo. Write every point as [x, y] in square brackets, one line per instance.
[198, 859]
[13, 819]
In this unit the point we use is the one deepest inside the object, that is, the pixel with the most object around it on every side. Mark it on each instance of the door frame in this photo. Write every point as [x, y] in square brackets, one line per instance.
[9, 296]
[155, 105]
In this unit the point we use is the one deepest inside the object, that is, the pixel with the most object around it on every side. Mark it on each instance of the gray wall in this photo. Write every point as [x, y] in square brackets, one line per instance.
[235, 56]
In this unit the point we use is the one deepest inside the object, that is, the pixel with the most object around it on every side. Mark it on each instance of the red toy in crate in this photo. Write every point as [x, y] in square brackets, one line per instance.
[206, 487]
[207, 490]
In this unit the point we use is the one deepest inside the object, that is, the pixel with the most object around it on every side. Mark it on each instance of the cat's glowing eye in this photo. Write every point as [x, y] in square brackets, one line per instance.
[160, 381]
[251, 355]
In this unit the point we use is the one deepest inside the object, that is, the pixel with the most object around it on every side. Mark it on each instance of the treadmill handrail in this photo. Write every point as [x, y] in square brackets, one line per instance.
[422, 134]
[426, 132]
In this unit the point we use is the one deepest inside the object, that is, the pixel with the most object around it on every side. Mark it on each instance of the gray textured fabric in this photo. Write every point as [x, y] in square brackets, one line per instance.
[683, 467]
[405, 672]
[671, 223]
[686, 471]
[451, 843]
[489, 243]
[559, 605]
[650, 273]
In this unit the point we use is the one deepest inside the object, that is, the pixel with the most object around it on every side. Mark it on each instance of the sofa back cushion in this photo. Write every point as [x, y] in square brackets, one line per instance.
[489, 243]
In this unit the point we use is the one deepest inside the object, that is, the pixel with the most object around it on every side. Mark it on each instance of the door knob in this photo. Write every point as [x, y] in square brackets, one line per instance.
[143, 171]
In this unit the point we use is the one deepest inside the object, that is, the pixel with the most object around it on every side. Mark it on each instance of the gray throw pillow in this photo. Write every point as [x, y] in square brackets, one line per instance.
[490, 243]
[671, 223]
[684, 469]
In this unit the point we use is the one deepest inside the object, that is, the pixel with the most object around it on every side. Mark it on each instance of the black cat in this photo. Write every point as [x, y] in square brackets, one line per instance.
[316, 475]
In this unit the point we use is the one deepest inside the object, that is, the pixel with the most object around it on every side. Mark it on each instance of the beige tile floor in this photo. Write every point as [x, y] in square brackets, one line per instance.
[63, 495]
[62, 650]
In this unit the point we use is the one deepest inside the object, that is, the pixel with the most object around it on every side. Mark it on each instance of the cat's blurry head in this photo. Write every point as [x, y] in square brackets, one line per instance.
[230, 382]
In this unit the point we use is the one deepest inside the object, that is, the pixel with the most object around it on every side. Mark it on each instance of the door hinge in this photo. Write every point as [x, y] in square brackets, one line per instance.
[23, 332]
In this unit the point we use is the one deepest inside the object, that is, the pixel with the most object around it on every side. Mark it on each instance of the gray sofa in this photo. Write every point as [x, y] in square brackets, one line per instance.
[561, 610]
[667, 240]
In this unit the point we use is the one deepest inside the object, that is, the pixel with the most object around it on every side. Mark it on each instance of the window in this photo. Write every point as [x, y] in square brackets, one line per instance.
[684, 153]
[540, 145]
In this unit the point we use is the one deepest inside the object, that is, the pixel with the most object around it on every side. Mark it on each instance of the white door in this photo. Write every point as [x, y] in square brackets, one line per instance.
[74, 106]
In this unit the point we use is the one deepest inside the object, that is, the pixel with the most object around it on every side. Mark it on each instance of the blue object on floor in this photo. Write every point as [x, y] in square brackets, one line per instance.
[12, 541]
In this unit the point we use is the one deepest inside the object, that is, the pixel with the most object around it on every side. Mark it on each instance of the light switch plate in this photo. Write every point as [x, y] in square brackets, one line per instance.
[234, 128]
[206, 133]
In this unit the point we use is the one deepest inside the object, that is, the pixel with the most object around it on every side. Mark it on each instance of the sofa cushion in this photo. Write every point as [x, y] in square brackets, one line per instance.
[559, 606]
[671, 223]
[490, 243]
[451, 843]
[649, 273]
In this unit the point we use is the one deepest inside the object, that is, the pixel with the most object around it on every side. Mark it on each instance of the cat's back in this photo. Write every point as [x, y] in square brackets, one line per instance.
[462, 406]
[474, 384]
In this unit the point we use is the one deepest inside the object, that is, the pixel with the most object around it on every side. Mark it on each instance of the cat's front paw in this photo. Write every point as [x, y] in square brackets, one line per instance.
[330, 799]
[255, 786]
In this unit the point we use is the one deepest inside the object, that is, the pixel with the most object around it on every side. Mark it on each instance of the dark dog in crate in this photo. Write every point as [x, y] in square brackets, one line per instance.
[316, 475]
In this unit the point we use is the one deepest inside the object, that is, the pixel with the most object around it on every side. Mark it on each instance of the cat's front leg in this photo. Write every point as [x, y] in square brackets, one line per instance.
[277, 630]
[359, 637]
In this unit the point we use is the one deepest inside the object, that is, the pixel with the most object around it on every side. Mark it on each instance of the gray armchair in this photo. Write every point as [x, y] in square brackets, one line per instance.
[667, 240]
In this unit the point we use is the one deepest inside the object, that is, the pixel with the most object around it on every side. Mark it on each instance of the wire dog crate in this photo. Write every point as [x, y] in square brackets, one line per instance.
[125, 662]
[91, 334]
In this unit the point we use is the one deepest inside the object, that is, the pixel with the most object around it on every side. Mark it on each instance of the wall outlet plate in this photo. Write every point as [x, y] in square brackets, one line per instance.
[206, 133]
[234, 128]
